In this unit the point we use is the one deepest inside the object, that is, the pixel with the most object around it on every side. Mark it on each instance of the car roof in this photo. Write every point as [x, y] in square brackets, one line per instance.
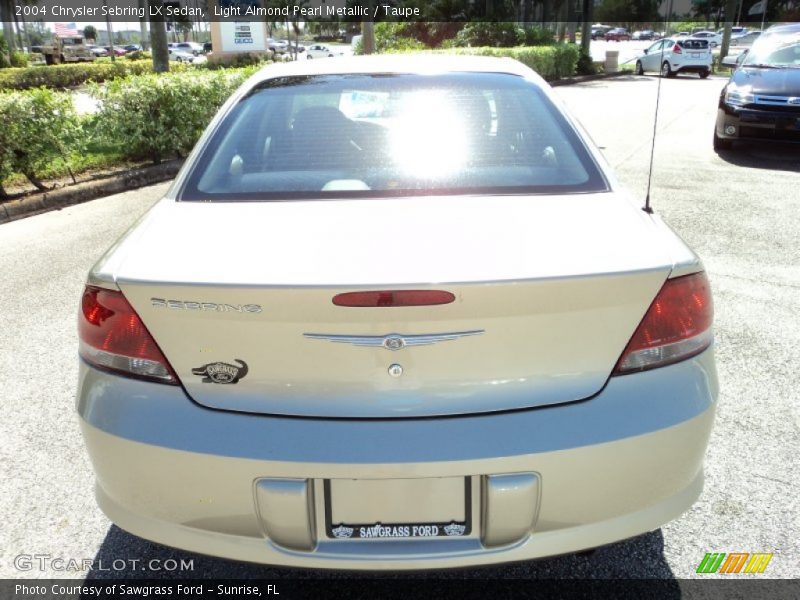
[789, 27]
[398, 63]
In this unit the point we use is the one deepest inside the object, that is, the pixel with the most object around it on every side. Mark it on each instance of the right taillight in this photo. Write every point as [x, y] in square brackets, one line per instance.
[677, 326]
[113, 337]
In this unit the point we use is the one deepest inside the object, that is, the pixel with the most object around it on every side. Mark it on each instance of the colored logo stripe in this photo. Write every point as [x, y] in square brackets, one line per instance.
[711, 562]
[758, 563]
[734, 562]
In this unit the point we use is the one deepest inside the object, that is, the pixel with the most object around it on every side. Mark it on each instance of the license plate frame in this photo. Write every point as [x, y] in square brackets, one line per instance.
[401, 530]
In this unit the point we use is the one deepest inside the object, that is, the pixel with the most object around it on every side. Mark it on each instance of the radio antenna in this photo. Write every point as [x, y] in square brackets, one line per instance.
[647, 208]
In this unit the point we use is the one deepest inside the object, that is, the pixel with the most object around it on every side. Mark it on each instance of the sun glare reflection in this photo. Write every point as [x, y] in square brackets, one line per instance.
[428, 137]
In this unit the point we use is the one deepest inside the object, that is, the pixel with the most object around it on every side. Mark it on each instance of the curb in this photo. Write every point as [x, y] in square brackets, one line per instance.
[86, 191]
[585, 78]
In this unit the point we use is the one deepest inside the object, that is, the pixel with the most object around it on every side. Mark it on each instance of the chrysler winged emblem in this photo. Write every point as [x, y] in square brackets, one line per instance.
[393, 341]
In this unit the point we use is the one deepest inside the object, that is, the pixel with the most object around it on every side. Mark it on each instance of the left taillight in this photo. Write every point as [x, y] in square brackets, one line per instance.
[113, 337]
[677, 326]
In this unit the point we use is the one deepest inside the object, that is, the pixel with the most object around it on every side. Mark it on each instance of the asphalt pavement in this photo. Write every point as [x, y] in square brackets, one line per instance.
[737, 210]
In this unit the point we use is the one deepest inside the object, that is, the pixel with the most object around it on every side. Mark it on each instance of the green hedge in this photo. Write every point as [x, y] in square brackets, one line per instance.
[36, 129]
[70, 75]
[160, 116]
[142, 116]
[551, 62]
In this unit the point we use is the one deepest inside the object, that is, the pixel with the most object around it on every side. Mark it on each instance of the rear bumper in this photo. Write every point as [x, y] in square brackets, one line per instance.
[692, 67]
[605, 469]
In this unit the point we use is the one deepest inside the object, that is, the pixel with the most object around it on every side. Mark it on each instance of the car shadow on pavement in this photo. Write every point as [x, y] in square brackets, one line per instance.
[125, 556]
[772, 156]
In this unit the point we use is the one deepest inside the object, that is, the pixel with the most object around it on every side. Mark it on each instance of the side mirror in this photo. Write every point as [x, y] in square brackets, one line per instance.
[646, 50]
[730, 61]
[741, 57]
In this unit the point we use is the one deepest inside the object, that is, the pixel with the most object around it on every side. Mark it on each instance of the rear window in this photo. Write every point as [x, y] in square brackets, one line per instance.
[693, 44]
[389, 135]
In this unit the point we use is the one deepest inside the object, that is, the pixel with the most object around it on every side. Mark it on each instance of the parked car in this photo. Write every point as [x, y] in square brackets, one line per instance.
[735, 31]
[671, 56]
[714, 39]
[618, 34]
[133, 48]
[119, 51]
[207, 47]
[761, 100]
[97, 51]
[181, 56]
[277, 46]
[599, 32]
[192, 48]
[745, 40]
[646, 34]
[318, 51]
[324, 375]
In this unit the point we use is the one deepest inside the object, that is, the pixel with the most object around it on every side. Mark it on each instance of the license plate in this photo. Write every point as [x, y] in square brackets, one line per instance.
[398, 508]
[697, 55]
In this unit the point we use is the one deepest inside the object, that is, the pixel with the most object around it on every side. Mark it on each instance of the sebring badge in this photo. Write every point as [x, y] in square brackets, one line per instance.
[393, 341]
[220, 372]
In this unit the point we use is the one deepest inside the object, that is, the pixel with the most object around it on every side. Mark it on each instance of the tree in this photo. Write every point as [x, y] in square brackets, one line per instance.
[183, 27]
[90, 33]
[627, 11]
[6, 16]
[158, 40]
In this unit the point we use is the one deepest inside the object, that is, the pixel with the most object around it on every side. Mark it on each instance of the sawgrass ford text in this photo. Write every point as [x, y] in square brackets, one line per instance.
[144, 591]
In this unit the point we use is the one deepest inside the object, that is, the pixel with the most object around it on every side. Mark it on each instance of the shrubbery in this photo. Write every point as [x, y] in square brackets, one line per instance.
[502, 35]
[391, 37]
[158, 116]
[142, 116]
[551, 62]
[19, 59]
[239, 60]
[29, 143]
[70, 75]
[138, 55]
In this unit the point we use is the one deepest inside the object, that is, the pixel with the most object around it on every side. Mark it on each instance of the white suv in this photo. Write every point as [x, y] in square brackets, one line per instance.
[671, 56]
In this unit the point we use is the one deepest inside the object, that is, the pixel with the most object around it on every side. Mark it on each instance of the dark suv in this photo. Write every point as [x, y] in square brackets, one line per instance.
[761, 101]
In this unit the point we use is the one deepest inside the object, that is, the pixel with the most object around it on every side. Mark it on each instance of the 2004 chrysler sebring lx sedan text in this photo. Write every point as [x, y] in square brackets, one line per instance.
[396, 312]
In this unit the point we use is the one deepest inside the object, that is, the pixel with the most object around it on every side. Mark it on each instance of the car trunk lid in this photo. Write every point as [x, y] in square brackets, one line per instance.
[546, 293]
